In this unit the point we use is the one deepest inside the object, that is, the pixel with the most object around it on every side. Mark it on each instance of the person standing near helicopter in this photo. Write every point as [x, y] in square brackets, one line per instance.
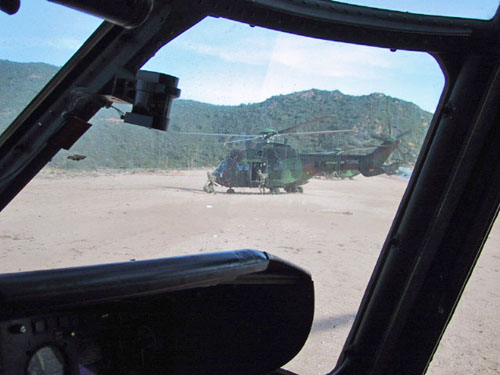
[210, 185]
[261, 181]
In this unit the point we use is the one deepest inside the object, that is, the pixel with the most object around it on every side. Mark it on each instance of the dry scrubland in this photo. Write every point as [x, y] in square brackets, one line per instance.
[335, 229]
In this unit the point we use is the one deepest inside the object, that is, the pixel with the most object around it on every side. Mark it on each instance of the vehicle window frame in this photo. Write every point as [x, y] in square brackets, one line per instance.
[461, 136]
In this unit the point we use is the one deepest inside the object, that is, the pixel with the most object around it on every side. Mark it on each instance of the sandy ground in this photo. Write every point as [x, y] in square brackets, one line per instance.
[335, 230]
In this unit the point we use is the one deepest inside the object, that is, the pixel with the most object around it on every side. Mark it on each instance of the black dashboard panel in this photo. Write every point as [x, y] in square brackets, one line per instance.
[241, 311]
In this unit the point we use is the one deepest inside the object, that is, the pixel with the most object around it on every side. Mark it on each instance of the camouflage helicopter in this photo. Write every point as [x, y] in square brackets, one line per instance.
[274, 165]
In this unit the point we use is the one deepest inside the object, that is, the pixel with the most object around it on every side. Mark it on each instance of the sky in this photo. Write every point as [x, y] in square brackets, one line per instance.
[224, 62]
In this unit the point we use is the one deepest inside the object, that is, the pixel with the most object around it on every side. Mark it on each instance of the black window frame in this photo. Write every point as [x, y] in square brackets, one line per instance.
[452, 198]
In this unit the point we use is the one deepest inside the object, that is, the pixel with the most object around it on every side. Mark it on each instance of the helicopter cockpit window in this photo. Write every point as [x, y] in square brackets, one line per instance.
[484, 9]
[466, 333]
[31, 57]
[298, 147]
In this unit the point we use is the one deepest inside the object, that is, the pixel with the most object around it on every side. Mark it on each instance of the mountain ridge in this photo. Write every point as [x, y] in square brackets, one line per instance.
[112, 144]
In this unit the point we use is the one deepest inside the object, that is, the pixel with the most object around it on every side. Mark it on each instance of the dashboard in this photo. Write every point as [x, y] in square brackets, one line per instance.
[242, 311]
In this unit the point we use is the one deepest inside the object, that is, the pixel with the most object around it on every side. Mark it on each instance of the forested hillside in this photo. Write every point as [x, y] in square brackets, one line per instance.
[19, 83]
[112, 144]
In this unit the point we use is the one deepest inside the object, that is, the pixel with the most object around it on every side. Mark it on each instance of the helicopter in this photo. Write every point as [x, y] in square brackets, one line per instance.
[275, 165]
[179, 315]
[288, 169]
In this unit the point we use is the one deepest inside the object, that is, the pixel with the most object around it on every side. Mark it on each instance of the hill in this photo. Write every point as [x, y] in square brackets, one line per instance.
[20, 82]
[112, 144]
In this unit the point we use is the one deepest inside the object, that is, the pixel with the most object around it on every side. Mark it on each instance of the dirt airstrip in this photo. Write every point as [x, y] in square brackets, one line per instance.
[335, 230]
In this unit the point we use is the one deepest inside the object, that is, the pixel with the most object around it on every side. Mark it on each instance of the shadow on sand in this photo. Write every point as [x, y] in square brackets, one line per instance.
[201, 191]
[197, 191]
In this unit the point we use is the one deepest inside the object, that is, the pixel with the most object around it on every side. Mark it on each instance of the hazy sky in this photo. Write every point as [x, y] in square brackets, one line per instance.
[224, 62]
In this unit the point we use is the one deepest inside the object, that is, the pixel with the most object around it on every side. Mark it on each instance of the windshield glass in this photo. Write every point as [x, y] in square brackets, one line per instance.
[324, 201]
[32, 54]
[473, 329]
[482, 9]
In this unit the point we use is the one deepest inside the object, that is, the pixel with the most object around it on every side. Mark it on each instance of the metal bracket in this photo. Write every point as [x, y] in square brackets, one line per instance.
[151, 95]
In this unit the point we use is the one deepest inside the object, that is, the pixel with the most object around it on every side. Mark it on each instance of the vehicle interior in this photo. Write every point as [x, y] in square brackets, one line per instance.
[179, 315]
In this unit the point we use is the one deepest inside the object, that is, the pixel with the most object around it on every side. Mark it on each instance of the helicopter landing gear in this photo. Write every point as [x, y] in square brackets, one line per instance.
[294, 189]
[230, 191]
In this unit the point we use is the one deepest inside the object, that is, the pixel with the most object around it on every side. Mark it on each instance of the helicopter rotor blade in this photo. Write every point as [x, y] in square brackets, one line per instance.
[291, 128]
[243, 140]
[214, 134]
[374, 146]
[403, 134]
[319, 132]
[361, 148]
[383, 137]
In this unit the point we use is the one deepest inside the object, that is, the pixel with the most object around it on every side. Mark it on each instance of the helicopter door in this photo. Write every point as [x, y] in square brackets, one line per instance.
[255, 168]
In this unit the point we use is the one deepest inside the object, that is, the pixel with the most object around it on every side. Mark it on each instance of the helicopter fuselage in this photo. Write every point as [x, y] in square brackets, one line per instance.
[279, 162]
[286, 168]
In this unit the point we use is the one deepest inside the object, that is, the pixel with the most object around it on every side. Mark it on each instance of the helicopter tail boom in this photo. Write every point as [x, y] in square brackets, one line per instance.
[368, 165]
[372, 163]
